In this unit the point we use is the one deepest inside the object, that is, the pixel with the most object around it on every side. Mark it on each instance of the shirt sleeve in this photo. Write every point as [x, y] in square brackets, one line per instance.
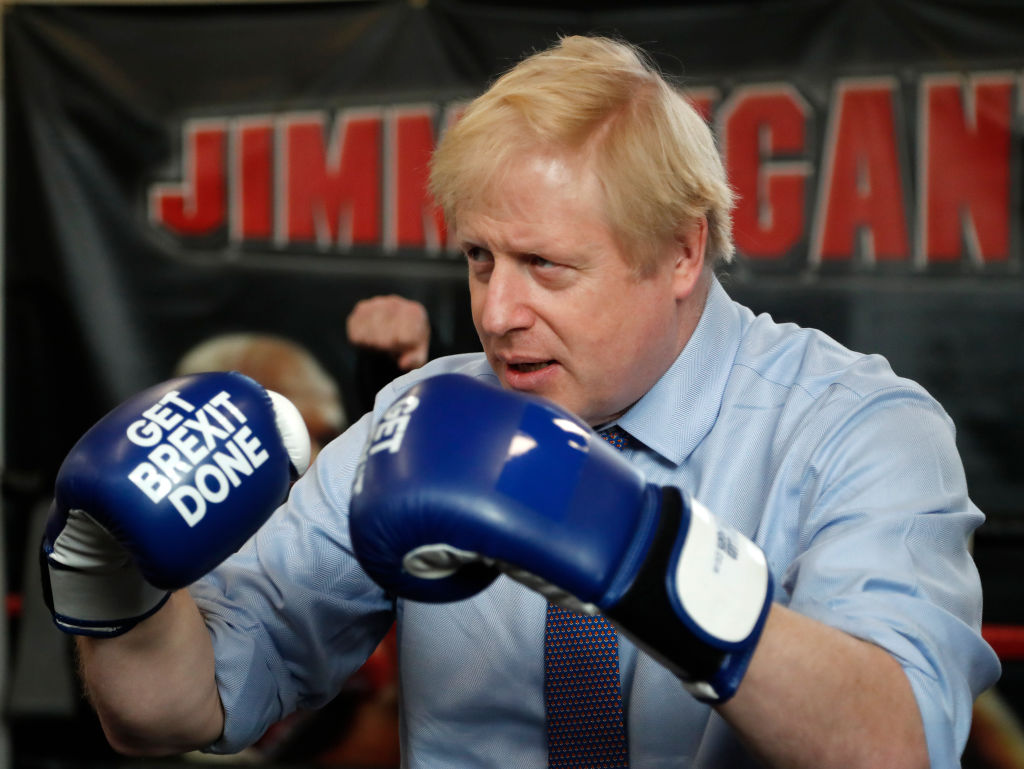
[884, 555]
[292, 615]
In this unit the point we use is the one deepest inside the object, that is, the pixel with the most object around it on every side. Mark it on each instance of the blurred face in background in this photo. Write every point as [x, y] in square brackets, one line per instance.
[318, 402]
[280, 365]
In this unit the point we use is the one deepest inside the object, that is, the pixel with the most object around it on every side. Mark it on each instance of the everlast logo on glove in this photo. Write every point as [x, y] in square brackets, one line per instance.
[386, 435]
[213, 430]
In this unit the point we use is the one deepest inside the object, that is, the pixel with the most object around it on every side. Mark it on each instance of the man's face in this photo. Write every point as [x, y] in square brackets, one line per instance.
[558, 309]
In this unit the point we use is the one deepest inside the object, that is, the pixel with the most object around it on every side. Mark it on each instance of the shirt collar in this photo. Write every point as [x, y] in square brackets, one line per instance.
[682, 406]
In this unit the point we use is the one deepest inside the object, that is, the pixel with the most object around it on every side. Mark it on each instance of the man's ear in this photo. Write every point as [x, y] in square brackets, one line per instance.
[690, 244]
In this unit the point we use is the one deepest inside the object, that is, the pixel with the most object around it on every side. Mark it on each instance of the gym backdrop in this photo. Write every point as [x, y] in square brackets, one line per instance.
[179, 170]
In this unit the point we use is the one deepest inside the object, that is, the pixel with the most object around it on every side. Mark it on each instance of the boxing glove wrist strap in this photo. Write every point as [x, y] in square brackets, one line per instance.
[709, 654]
[90, 584]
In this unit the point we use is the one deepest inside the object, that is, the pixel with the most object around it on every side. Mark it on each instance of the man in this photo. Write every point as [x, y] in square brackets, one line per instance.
[591, 205]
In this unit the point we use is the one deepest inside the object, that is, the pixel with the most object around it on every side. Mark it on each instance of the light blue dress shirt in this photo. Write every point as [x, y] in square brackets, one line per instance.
[846, 475]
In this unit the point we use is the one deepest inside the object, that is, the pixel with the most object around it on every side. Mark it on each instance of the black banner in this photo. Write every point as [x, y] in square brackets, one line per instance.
[179, 171]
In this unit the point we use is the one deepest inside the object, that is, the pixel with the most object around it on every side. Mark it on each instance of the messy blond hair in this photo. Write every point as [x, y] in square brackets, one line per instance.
[653, 154]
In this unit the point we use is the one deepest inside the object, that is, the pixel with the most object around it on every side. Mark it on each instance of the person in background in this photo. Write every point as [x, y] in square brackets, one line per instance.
[360, 726]
[281, 365]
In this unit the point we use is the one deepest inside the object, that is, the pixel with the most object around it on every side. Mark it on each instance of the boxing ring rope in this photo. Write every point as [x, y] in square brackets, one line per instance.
[1006, 640]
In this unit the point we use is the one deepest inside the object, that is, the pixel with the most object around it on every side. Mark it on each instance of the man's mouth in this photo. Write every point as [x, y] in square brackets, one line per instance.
[526, 368]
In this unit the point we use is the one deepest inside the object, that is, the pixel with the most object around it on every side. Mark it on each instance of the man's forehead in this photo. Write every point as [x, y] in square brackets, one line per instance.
[501, 231]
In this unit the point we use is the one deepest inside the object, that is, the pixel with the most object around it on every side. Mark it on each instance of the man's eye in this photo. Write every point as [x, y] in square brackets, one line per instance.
[475, 254]
[540, 261]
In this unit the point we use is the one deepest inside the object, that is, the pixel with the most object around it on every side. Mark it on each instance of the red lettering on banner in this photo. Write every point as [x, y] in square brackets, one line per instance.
[252, 180]
[861, 192]
[332, 192]
[413, 218]
[359, 177]
[198, 205]
[965, 168]
[760, 124]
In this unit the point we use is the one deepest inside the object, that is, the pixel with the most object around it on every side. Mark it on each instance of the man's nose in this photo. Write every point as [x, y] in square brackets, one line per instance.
[505, 300]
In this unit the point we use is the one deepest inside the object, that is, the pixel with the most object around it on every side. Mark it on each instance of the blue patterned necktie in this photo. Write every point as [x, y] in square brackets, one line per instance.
[582, 697]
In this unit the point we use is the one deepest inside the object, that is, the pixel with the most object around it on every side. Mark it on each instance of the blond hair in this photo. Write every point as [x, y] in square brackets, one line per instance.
[652, 152]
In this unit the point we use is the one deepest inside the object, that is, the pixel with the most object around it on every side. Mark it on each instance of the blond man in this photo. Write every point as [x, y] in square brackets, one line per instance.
[591, 205]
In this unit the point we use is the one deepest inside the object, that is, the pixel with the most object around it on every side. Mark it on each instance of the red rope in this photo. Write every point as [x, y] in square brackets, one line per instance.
[1006, 640]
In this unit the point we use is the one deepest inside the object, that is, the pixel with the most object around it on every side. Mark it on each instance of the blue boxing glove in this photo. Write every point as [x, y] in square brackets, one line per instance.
[461, 481]
[161, 490]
